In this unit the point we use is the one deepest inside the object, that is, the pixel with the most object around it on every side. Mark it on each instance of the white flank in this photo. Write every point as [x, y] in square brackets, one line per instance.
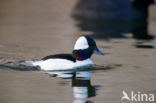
[62, 64]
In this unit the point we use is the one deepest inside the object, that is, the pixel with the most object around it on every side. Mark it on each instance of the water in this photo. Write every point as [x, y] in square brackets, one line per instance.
[31, 30]
[80, 79]
[81, 83]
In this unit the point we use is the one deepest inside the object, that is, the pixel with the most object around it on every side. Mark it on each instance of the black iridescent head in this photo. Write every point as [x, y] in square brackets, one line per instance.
[84, 48]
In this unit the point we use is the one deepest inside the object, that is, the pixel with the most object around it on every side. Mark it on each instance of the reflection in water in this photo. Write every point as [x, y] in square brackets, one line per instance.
[81, 83]
[104, 28]
[108, 9]
[112, 19]
[145, 45]
[81, 79]
[108, 29]
[62, 74]
[82, 101]
[140, 25]
[140, 29]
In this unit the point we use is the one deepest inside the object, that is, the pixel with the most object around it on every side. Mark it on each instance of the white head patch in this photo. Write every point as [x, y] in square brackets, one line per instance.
[81, 43]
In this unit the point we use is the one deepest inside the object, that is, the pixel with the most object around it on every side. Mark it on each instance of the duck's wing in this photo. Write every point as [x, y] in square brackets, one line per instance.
[60, 56]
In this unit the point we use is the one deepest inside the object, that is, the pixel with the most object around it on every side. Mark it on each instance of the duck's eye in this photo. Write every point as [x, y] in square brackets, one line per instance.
[92, 43]
[92, 47]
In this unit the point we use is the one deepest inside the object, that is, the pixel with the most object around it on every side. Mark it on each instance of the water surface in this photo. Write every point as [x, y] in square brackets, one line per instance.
[31, 30]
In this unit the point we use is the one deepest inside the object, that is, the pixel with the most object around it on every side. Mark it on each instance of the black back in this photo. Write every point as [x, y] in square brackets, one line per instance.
[60, 56]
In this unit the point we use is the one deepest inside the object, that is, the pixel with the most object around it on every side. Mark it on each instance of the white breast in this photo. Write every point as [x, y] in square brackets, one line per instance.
[84, 63]
[62, 64]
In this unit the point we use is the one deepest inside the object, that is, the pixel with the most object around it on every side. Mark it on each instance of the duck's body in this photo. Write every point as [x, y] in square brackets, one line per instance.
[80, 57]
[61, 62]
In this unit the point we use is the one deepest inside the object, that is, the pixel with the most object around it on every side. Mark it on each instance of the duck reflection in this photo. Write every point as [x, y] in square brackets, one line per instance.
[81, 83]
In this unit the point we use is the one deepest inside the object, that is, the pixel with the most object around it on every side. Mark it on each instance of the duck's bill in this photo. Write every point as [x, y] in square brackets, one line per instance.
[97, 51]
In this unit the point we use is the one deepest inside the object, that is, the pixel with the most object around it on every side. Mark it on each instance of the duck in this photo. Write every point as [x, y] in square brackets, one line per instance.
[84, 47]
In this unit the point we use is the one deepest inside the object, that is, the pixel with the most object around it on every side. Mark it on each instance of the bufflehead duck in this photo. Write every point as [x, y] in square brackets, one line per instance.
[80, 57]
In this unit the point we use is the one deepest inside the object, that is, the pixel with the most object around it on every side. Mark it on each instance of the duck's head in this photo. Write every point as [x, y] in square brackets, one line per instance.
[84, 48]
